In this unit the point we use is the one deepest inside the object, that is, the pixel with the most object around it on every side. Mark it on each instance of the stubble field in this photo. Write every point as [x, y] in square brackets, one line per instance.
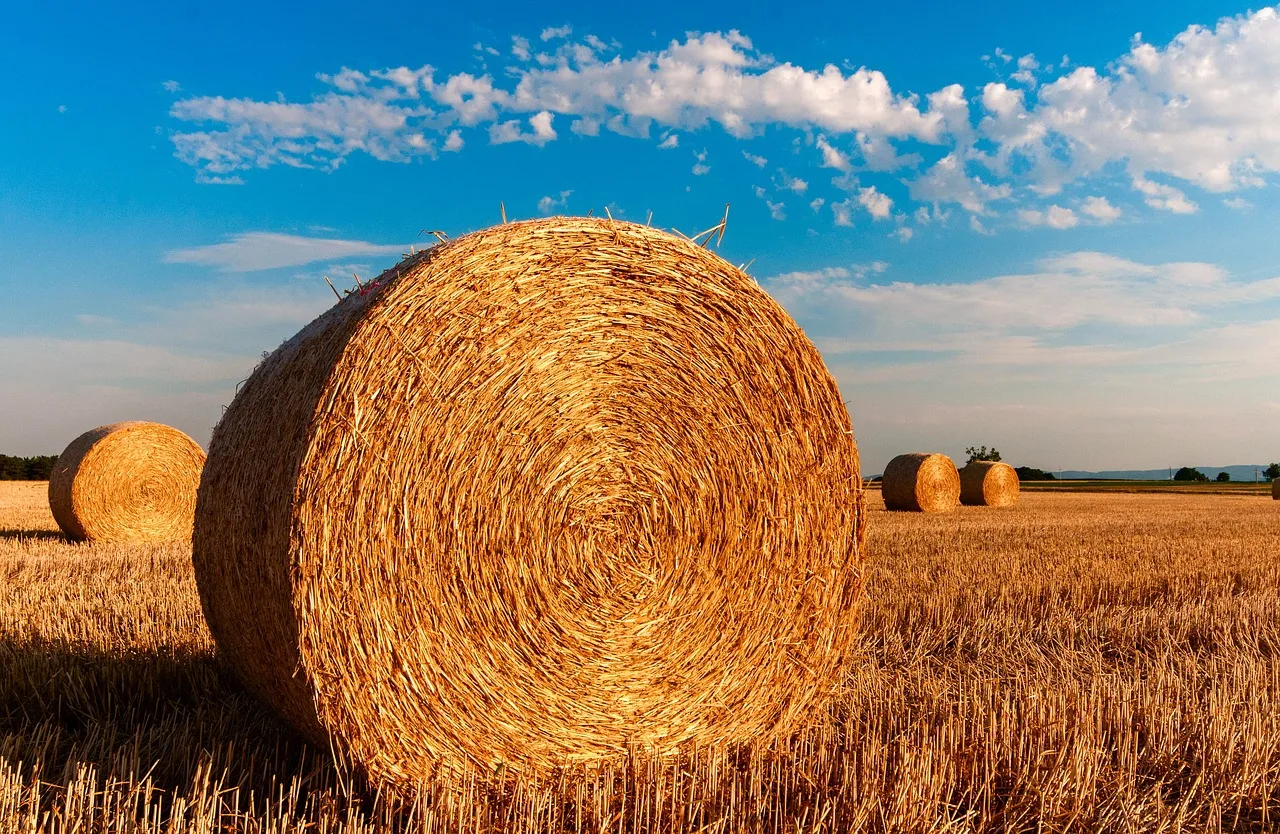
[1082, 662]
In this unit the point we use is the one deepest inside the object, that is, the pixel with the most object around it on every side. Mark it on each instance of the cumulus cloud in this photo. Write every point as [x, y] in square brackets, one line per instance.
[948, 182]
[549, 204]
[1202, 109]
[1055, 217]
[833, 157]
[511, 131]
[1199, 112]
[700, 166]
[1164, 197]
[877, 205]
[786, 182]
[398, 113]
[1100, 209]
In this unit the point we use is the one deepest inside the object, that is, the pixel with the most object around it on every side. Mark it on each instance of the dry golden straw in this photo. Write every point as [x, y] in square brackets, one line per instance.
[921, 482]
[535, 496]
[133, 481]
[987, 483]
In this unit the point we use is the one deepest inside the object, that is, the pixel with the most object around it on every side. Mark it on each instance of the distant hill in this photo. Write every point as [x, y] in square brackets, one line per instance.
[1242, 472]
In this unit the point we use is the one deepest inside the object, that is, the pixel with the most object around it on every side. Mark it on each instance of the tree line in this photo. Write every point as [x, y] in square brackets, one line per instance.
[35, 468]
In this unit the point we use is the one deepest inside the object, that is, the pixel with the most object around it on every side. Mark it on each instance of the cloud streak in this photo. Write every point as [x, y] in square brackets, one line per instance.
[253, 251]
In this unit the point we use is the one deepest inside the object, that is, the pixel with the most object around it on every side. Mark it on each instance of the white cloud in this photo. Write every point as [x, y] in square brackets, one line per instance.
[1199, 112]
[1100, 209]
[1027, 66]
[395, 114]
[1237, 203]
[817, 203]
[1110, 341]
[700, 168]
[1164, 197]
[878, 205]
[902, 233]
[758, 161]
[843, 212]
[453, 142]
[832, 157]
[1065, 292]
[1202, 109]
[786, 182]
[549, 204]
[171, 86]
[778, 211]
[1055, 217]
[947, 182]
[670, 140]
[252, 251]
[502, 133]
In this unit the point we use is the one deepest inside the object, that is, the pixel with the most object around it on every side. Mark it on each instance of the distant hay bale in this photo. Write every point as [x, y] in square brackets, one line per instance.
[987, 483]
[921, 482]
[546, 493]
[127, 482]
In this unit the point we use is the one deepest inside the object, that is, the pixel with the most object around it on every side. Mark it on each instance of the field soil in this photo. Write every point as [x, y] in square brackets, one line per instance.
[1080, 662]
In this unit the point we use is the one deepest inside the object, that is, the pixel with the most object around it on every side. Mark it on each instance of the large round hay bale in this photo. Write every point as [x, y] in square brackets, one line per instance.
[921, 482]
[540, 495]
[127, 482]
[988, 483]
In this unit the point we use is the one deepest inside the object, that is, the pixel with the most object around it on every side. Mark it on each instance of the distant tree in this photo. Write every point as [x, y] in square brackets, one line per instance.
[1223, 477]
[1186, 473]
[1030, 473]
[981, 453]
[35, 468]
[1272, 472]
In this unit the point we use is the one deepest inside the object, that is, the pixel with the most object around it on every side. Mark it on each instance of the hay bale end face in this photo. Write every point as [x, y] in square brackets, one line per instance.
[541, 494]
[986, 483]
[921, 482]
[127, 482]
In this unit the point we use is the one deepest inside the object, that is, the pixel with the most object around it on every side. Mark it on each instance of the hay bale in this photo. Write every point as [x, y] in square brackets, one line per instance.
[987, 483]
[540, 494]
[921, 482]
[127, 482]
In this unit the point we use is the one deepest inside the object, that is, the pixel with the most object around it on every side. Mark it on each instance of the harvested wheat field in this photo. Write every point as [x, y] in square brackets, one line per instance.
[1093, 662]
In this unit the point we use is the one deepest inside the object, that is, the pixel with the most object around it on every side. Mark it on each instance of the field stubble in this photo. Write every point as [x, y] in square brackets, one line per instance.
[1078, 662]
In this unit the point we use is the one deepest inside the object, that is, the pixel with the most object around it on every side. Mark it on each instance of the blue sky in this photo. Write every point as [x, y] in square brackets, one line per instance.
[1054, 232]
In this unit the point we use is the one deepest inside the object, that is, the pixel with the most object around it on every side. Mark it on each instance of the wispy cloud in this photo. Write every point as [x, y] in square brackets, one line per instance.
[252, 251]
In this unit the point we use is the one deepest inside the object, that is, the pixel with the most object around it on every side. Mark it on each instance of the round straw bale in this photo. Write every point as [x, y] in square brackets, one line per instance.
[133, 481]
[988, 483]
[921, 482]
[538, 496]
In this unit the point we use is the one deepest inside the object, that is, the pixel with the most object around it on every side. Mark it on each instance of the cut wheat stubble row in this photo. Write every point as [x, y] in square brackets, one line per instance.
[127, 482]
[543, 494]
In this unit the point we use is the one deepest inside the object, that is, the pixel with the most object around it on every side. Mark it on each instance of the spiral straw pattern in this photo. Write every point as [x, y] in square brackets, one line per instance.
[545, 494]
[921, 482]
[986, 483]
[127, 482]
